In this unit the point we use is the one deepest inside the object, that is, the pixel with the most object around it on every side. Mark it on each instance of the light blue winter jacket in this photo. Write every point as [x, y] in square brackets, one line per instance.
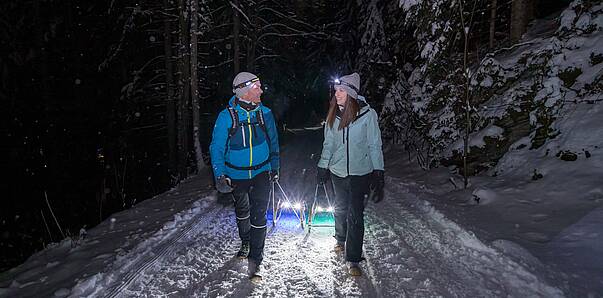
[356, 149]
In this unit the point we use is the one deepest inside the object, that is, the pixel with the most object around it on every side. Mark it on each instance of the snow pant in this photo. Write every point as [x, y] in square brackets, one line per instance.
[350, 193]
[251, 201]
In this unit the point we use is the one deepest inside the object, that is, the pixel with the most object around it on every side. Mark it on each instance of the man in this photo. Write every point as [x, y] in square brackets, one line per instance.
[245, 159]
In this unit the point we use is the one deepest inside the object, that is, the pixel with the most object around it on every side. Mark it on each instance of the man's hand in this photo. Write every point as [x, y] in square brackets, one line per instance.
[273, 174]
[376, 185]
[322, 175]
[224, 184]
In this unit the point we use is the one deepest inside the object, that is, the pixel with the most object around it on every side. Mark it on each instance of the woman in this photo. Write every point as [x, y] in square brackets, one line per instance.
[352, 157]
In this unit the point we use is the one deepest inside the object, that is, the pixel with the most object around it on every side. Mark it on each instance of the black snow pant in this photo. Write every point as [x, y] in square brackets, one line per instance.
[251, 200]
[350, 193]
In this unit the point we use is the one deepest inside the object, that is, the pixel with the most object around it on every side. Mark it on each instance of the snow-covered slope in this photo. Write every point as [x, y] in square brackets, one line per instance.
[536, 144]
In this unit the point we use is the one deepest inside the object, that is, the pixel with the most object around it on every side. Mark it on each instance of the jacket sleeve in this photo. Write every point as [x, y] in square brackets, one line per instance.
[217, 147]
[374, 141]
[327, 150]
[273, 134]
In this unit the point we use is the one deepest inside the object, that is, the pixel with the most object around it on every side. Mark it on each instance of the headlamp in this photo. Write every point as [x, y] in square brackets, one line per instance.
[246, 83]
[339, 82]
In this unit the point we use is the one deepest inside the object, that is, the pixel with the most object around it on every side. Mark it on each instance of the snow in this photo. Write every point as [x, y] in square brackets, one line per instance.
[483, 195]
[477, 139]
[567, 19]
[551, 91]
[534, 232]
[407, 4]
[186, 243]
[542, 224]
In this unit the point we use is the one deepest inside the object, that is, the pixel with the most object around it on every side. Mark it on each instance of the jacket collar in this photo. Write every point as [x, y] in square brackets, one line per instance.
[236, 104]
[363, 106]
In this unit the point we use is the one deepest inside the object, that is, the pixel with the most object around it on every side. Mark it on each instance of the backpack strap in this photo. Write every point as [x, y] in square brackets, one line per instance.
[259, 115]
[234, 116]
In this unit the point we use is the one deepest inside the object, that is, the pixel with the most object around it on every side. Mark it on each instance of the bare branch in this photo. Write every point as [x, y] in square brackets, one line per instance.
[241, 12]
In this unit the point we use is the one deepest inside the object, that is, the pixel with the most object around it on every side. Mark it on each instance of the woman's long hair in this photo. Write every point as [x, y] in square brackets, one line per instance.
[348, 115]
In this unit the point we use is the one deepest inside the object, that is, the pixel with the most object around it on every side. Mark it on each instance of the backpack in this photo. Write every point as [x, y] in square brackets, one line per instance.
[236, 124]
[234, 116]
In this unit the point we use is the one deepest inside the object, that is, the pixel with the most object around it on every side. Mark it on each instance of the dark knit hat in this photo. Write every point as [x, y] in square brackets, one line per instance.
[242, 82]
[350, 83]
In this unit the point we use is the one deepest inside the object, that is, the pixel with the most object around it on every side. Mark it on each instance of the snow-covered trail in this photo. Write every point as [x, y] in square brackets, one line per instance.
[424, 254]
[411, 251]
[182, 244]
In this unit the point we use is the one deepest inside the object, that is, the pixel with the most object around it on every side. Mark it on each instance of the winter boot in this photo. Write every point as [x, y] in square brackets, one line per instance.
[243, 253]
[339, 247]
[354, 269]
[253, 270]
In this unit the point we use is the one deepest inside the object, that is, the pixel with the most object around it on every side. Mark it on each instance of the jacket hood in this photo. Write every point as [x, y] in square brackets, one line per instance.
[363, 104]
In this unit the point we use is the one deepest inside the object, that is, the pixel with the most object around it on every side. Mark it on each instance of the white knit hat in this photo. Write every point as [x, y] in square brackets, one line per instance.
[350, 83]
[242, 83]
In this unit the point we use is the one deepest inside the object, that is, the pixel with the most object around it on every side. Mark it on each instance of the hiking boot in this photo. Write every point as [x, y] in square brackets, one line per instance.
[339, 247]
[244, 251]
[354, 269]
[253, 271]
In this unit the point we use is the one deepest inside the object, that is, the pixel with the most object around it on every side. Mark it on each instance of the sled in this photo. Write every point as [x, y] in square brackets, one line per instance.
[284, 203]
[320, 209]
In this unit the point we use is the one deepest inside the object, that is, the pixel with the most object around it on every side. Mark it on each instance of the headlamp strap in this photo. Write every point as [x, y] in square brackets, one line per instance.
[246, 83]
[339, 82]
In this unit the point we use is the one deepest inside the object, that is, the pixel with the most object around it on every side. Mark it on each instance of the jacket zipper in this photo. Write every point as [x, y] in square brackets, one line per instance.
[250, 143]
[347, 149]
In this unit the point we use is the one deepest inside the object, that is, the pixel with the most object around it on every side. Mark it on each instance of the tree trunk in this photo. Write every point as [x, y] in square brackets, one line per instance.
[170, 105]
[251, 53]
[251, 45]
[235, 37]
[466, 28]
[184, 91]
[492, 23]
[521, 13]
[195, 86]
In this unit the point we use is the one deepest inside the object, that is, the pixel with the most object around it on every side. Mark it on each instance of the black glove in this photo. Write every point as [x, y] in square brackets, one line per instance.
[376, 186]
[322, 175]
[224, 184]
[273, 174]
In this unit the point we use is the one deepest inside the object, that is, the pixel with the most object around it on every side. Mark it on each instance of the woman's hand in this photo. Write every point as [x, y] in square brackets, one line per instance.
[322, 175]
[377, 183]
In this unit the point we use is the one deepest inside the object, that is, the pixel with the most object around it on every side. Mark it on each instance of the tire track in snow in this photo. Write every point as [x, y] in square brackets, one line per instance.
[228, 273]
[199, 260]
[296, 263]
[210, 250]
[431, 255]
[150, 256]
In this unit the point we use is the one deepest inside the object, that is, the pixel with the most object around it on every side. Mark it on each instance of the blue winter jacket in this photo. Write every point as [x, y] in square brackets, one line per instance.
[250, 149]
